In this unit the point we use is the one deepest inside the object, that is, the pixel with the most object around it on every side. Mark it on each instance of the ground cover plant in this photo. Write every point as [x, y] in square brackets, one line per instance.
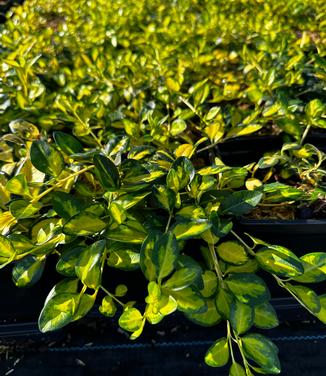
[111, 117]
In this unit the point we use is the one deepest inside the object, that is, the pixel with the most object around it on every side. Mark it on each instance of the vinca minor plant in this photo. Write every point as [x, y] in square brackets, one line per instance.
[98, 209]
[111, 120]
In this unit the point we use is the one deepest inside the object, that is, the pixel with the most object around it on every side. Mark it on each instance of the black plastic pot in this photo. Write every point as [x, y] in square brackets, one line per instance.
[239, 151]
[300, 236]
[243, 150]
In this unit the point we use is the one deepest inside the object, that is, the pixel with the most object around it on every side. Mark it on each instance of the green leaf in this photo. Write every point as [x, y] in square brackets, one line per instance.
[131, 320]
[314, 265]
[65, 204]
[84, 224]
[57, 312]
[67, 143]
[180, 174]
[241, 202]
[262, 351]
[108, 307]
[181, 279]
[232, 252]
[307, 297]
[188, 230]
[210, 284]
[237, 370]
[68, 260]
[221, 226]
[107, 173]
[7, 249]
[67, 285]
[88, 268]
[223, 301]
[209, 318]
[121, 290]
[46, 158]
[177, 127]
[268, 161]
[167, 305]
[123, 258]
[241, 317]
[27, 271]
[146, 258]
[265, 316]
[84, 304]
[189, 300]
[251, 266]
[165, 197]
[248, 288]
[280, 261]
[24, 129]
[22, 209]
[117, 213]
[218, 354]
[18, 186]
[165, 254]
[129, 232]
[314, 108]
[322, 313]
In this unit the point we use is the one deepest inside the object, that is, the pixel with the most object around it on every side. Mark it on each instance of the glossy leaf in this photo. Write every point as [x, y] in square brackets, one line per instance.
[307, 297]
[180, 174]
[248, 288]
[84, 224]
[218, 354]
[242, 202]
[18, 185]
[265, 316]
[232, 252]
[237, 370]
[189, 301]
[146, 256]
[211, 317]
[106, 172]
[46, 158]
[241, 317]
[181, 279]
[165, 254]
[187, 230]
[280, 261]
[314, 265]
[57, 312]
[68, 260]
[262, 351]
[108, 307]
[88, 267]
[131, 320]
[67, 143]
[65, 204]
[128, 232]
[28, 271]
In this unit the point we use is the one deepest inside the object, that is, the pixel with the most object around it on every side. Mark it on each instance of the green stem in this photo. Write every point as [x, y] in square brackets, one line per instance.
[59, 182]
[169, 222]
[112, 296]
[305, 133]
[280, 283]
[244, 360]
[251, 252]
[216, 263]
[229, 335]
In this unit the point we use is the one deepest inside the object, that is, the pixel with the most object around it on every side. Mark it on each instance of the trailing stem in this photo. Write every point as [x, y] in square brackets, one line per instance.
[216, 263]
